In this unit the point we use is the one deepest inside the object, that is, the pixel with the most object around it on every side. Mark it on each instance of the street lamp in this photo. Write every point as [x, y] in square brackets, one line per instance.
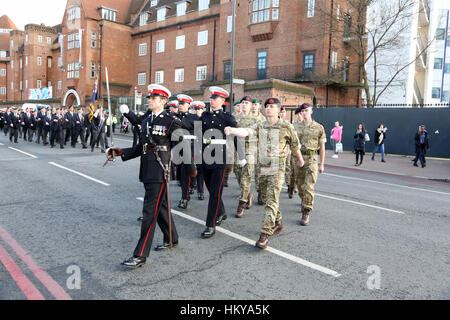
[233, 17]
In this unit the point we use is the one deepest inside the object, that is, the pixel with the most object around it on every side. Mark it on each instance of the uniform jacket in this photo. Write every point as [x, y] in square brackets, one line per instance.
[157, 132]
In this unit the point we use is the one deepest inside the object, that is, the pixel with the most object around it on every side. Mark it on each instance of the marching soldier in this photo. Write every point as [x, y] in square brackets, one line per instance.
[278, 134]
[46, 129]
[214, 156]
[40, 123]
[290, 170]
[173, 107]
[187, 168]
[56, 128]
[244, 172]
[98, 129]
[154, 151]
[78, 128]
[68, 117]
[312, 139]
[199, 107]
[13, 122]
[236, 114]
[256, 110]
[32, 130]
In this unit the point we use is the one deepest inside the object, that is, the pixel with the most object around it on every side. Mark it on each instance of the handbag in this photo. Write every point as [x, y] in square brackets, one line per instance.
[366, 137]
[339, 147]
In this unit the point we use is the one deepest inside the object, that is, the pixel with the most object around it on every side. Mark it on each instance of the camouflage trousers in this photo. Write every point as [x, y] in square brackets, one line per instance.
[228, 171]
[270, 188]
[244, 176]
[306, 178]
[291, 163]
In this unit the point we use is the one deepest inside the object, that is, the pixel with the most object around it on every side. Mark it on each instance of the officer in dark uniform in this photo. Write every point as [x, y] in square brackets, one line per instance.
[13, 124]
[2, 119]
[78, 128]
[56, 128]
[69, 124]
[154, 150]
[47, 122]
[198, 107]
[187, 168]
[214, 165]
[40, 123]
[32, 130]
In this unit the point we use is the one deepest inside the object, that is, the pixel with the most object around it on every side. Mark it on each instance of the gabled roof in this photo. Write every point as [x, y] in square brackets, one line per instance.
[124, 8]
[6, 23]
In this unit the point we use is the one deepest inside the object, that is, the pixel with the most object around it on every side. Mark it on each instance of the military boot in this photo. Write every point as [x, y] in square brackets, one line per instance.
[263, 241]
[183, 204]
[278, 227]
[291, 192]
[249, 201]
[305, 217]
[240, 209]
[260, 199]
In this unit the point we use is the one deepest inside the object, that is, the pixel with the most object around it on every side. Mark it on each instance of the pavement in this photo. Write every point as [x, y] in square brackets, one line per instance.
[66, 223]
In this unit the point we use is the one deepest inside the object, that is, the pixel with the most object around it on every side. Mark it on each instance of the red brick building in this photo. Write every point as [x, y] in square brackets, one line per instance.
[282, 48]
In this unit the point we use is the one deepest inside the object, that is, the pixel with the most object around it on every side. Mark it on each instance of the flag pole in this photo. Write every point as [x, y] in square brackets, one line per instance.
[109, 108]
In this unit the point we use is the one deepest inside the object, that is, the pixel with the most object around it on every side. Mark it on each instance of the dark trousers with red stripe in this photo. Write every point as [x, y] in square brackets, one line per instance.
[200, 180]
[154, 211]
[185, 180]
[214, 183]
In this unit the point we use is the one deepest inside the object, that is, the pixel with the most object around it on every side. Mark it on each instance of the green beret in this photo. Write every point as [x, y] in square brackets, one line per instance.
[236, 103]
[256, 100]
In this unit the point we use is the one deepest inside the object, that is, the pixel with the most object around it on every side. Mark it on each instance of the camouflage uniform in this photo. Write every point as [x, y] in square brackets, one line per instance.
[272, 162]
[291, 163]
[230, 167]
[244, 174]
[311, 137]
[261, 118]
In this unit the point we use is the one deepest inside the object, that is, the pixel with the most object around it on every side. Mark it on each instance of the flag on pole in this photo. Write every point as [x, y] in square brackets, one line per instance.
[94, 98]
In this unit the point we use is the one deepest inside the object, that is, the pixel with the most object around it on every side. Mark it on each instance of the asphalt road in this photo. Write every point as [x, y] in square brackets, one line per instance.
[63, 236]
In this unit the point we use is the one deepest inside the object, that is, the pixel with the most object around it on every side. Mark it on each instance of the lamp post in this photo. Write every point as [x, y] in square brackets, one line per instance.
[233, 18]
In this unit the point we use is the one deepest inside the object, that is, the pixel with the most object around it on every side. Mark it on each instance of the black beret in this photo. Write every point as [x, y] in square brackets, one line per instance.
[246, 98]
[271, 101]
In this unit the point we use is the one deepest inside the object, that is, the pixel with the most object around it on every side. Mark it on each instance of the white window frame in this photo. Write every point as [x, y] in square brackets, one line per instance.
[229, 23]
[59, 84]
[26, 84]
[93, 40]
[179, 75]
[160, 45]
[143, 18]
[181, 8]
[49, 40]
[202, 38]
[311, 5]
[49, 62]
[142, 79]
[334, 60]
[49, 84]
[161, 14]
[203, 5]
[92, 70]
[159, 77]
[201, 73]
[3, 72]
[26, 60]
[20, 85]
[20, 63]
[180, 42]
[143, 49]
[3, 90]
[39, 61]
[40, 38]
[26, 37]
[153, 3]
[39, 84]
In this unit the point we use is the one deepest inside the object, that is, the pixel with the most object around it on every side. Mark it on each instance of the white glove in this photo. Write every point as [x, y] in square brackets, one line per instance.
[124, 109]
[242, 163]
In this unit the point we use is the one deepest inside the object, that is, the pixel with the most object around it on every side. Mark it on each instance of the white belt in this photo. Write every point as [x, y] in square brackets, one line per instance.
[214, 141]
[189, 137]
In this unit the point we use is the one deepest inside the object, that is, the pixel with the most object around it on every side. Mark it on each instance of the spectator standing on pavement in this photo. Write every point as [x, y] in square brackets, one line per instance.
[336, 137]
[360, 144]
[379, 138]
[422, 146]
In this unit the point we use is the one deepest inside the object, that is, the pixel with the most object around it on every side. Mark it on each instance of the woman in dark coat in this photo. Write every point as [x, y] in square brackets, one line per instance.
[360, 144]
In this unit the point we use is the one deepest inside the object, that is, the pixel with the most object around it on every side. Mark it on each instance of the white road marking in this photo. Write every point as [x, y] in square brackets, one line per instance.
[252, 243]
[79, 173]
[26, 153]
[356, 202]
[1, 144]
[15, 159]
[123, 140]
[386, 183]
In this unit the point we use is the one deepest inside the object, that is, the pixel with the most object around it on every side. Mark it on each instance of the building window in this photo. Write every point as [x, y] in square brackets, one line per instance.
[12, 85]
[39, 38]
[308, 62]
[26, 38]
[49, 84]
[445, 96]
[160, 45]
[447, 68]
[181, 8]
[440, 34]
[70, 41]
[12, 64]
[311, 4]
[2, 54]
[109, 14]
[438, 63]
[334, 60]
[153, 3]
[20, 86]
[26, 60]
[3, 73]
[262, 64]
[202, 38]
[49, 62]
[159, 77]
[93, 40]
[179, 75]
[72, 71]
[20, 63]
[49, 40]
[3, 90]
[227, 70]
[161, 14]
[77, 40]
[92, 70]
[201, 73]
[180, 42]
[142, 79]
[39, 84]
[203, 5]
[73, 13]
[229, 23]
[26, 84]
[39, 61]
[142, 49]
[436, 93]
[260, 10]
[143, 18]
[59, 84]
[338, 12]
